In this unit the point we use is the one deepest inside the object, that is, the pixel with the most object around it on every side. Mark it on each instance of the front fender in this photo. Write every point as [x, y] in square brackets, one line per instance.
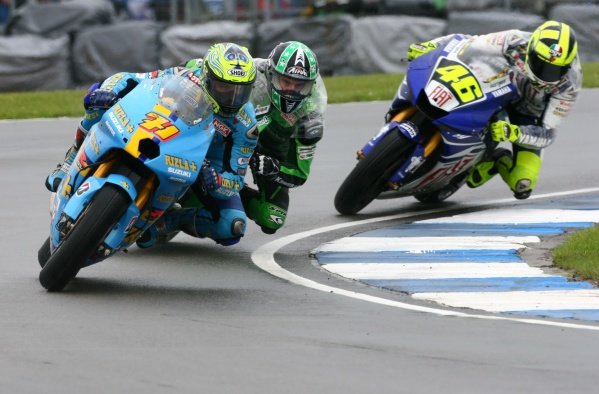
[83, 195]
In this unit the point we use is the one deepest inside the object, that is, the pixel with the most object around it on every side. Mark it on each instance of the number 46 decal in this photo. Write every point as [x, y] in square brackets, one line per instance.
[461, 81]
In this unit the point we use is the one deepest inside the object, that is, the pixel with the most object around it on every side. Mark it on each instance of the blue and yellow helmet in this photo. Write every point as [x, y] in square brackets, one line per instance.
[228, 74]
[551, 50]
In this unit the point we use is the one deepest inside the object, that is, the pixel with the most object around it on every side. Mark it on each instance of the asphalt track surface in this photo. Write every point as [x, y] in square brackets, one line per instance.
[193, 317]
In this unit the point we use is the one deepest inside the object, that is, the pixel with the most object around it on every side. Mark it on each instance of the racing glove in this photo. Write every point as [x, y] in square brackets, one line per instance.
[503, 131]
[210, 178]
[417, 50]
[264, 165]
[96, 98]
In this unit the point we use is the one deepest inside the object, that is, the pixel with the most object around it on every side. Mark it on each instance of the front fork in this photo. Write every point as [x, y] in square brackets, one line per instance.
[414, 161]
[80, 198]
[423, 147]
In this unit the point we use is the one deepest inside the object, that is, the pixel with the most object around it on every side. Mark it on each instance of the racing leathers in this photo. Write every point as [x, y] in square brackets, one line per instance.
[286, 139]
[538, 109]
[212, 207]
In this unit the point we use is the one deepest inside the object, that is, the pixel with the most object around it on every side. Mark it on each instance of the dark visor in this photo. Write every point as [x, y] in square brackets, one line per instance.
[229, 96]
[546, 71]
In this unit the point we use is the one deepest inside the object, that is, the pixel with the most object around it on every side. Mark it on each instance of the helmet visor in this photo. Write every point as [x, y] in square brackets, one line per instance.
[230, 97]
[544, 70]
[291, 88]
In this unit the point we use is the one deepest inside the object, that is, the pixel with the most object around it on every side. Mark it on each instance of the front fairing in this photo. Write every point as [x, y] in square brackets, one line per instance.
[458, 87]
[170, 140]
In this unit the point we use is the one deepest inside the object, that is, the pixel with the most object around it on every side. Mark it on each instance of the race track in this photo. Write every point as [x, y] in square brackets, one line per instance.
[193, 317]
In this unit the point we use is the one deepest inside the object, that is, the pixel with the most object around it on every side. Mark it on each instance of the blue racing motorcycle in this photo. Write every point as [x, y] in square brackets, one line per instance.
[135, 163]
[429, 146]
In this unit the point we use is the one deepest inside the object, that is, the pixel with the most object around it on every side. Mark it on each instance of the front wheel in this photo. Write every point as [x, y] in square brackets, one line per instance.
[369, 177]
[86, 235]
[43, 254]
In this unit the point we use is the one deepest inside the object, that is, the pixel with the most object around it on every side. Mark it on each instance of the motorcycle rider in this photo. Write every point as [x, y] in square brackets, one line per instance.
[545, 67]
[290, 100]
[212, 208]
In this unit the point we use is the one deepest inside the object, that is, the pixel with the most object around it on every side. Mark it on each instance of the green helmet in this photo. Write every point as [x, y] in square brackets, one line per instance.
[551, 50]
[292, 71]
[228, 74]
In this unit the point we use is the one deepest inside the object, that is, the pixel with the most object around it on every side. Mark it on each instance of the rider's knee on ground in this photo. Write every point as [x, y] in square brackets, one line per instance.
[237, 230]
[228, 230]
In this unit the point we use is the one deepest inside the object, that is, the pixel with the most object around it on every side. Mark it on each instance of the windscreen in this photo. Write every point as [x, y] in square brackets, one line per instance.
[186, 99]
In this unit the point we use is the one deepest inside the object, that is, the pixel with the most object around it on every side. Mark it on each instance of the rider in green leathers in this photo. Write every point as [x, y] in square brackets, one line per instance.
[290, 100]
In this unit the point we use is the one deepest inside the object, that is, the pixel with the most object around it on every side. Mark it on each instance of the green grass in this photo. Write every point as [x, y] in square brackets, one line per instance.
[579, 253]
[52, 104]
[340, 90]
[362, 88]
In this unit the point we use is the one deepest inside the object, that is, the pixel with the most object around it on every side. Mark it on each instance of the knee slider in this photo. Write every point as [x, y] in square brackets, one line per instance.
[237, 231]
[238, 227]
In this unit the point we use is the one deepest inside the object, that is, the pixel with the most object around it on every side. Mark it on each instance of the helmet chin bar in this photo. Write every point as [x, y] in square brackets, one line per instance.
[288, 106]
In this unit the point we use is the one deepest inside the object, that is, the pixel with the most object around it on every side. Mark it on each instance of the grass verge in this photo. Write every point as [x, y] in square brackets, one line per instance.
[580, 254]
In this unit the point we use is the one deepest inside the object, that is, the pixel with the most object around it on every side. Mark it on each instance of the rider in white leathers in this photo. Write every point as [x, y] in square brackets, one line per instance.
[545, 68]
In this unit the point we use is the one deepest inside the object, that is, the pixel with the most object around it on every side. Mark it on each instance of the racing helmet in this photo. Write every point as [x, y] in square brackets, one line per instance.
[228, 75]
[551, 50]
[292, 71]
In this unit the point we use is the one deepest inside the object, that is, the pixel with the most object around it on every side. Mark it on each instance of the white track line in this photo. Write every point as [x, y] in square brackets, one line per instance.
[263, 258]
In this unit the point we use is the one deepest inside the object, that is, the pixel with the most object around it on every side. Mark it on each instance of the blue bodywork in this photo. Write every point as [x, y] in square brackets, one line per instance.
[164, 125]
[454, 100]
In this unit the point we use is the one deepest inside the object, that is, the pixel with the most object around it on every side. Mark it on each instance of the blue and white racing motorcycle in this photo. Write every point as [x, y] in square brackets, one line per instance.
[142, 156]
[427, 149]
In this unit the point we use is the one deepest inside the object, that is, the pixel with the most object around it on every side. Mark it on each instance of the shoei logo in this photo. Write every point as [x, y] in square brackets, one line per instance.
[237, 72]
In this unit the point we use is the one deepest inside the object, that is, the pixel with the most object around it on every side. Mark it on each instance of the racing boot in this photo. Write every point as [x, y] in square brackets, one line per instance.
[268, 216]
[486, 169]
[54, 179]
[520, 172]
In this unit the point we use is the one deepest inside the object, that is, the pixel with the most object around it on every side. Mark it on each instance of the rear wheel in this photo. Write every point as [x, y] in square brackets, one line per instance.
[369, 177]
[86, 235]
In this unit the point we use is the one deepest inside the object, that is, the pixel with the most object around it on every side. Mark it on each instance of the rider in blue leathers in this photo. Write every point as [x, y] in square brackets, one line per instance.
[212, 208]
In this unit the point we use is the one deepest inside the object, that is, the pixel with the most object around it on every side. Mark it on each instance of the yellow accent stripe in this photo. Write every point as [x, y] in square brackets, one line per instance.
[161, 109]
[432, 144]
[132, 146]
